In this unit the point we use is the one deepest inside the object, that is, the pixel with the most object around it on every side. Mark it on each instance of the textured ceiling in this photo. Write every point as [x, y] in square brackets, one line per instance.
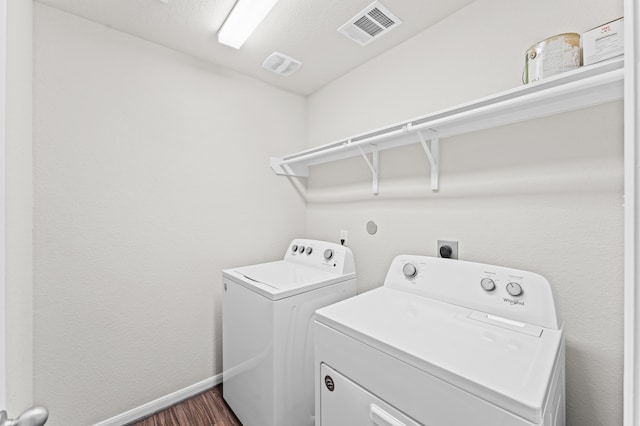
[303, 29]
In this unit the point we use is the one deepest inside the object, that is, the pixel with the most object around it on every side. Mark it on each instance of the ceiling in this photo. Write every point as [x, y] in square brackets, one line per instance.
[303, 29]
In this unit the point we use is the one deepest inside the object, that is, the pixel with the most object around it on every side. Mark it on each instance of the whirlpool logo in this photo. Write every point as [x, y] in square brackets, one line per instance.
[513, 301]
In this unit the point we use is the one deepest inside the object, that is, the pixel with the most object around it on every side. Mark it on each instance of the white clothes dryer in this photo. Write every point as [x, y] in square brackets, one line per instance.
[268, 333]
[443, 343]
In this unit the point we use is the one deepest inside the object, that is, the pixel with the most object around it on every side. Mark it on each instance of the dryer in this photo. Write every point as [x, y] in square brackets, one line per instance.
[443, 343]
[268, 333]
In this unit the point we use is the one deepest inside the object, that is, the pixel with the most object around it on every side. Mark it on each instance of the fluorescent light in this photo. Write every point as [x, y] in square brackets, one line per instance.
[243, 20]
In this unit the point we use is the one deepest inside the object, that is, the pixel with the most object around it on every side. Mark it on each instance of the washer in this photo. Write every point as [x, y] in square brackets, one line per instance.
[443, 342]
[268, 333]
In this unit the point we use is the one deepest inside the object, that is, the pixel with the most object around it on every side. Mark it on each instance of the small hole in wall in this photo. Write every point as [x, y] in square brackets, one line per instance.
[372, 227]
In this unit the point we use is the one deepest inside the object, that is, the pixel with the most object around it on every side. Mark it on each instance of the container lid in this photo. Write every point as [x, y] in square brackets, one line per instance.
[280, 279]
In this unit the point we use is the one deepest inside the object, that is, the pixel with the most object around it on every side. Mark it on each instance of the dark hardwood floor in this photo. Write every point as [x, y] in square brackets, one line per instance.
[205, 409]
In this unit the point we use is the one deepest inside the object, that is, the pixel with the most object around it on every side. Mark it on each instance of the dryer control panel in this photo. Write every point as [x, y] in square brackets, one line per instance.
[520, 297]
[323, 255]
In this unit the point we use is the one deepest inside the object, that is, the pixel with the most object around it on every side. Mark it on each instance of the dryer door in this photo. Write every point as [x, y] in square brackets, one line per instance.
[343, 402]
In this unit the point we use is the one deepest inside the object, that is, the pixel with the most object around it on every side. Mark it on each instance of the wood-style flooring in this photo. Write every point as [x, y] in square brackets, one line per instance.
[205, 409]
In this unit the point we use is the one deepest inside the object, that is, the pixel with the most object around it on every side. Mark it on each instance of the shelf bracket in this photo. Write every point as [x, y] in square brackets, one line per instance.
[373, 166]
[433, 154]
[282, 169]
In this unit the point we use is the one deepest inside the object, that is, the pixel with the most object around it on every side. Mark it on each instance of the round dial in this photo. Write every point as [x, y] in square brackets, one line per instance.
[301, 249]
[409, 270]
[309, 250]
[328, 254]
[294, 248]
[488, 284]
[514, 289]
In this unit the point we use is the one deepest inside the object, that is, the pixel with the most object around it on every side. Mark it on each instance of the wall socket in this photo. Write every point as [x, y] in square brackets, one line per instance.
[448, 249]
[343, 237]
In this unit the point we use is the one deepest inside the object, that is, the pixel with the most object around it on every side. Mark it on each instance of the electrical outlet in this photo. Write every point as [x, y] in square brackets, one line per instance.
[343, 237]
[448, 249]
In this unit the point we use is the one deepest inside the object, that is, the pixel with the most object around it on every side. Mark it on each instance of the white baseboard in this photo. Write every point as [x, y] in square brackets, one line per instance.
[162, 402]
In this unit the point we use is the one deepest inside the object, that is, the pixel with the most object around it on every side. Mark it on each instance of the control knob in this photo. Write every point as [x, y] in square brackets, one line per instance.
[294, 248]
[309, 250]
[301, 249]
[488, 284]
[409, 270]
[514, 289]
[328, 254]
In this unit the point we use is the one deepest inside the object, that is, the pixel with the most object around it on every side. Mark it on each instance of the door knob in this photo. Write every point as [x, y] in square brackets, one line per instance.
[34, 416]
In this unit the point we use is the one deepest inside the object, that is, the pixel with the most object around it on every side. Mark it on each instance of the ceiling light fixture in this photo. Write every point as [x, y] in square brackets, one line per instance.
[244, 18]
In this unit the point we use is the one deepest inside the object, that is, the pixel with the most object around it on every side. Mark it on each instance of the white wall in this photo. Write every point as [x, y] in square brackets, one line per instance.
[151, 176]
[19, 206]
[544, 196]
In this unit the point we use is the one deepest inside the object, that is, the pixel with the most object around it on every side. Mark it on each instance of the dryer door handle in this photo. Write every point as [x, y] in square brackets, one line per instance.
[379, 417]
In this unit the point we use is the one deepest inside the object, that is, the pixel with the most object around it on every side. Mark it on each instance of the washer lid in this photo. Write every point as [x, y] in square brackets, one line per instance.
[280, 279]
[507, 364]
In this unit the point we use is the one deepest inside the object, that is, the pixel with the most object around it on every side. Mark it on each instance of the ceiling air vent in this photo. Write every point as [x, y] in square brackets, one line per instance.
[281, 64]
[370, 24]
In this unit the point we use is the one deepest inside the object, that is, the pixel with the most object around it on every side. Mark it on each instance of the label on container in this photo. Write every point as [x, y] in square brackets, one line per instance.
[554, 57]
[604, 42]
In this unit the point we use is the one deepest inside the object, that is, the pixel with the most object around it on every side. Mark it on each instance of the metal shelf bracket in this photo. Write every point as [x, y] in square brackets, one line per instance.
[375, 155]
[433, 154]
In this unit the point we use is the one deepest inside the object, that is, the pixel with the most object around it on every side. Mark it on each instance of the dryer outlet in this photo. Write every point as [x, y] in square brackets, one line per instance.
[448, 249]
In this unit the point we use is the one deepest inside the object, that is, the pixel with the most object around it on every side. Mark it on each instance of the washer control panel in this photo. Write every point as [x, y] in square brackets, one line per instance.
[505, 292]
[322, 255]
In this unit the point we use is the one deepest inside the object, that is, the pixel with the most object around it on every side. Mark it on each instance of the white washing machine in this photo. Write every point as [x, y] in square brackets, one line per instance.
[268, 333]
[443, 343]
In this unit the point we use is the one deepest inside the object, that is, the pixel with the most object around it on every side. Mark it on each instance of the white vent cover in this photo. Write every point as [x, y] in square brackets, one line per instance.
[370, 24]
[281, 64]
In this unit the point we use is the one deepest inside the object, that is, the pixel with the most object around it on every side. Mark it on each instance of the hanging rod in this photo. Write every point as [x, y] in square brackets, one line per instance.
[584, 87]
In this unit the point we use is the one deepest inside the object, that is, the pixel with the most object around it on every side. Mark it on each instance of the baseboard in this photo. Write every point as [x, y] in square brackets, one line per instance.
[162, 402]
